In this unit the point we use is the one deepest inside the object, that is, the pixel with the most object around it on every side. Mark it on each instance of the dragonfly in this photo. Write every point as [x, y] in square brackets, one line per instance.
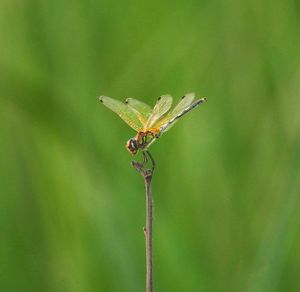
[150, 123]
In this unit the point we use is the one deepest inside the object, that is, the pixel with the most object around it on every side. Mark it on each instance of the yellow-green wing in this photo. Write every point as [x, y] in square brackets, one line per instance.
[142, 110]
[170, 122]
[127, 114]
[185, 101]
[162, 105]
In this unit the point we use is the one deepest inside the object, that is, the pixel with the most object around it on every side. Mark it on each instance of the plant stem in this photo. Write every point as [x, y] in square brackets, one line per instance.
[147, 175]
[148, 233]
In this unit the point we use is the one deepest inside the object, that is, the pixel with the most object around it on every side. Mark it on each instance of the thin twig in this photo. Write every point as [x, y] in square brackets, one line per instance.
[147, 175]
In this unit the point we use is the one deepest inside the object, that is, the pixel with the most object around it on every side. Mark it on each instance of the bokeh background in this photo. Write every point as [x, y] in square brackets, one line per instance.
[227, 185]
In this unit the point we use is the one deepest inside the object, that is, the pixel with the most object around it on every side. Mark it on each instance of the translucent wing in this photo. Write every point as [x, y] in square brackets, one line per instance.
[162, 105]
[127, 114]
[185, 101]
[170, 122]
[142, 110]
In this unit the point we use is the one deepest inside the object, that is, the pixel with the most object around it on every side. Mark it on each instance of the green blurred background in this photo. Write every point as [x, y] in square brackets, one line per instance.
[226, 188]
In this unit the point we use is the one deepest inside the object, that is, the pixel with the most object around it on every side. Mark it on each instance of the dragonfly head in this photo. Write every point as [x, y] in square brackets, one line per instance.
[132, 146]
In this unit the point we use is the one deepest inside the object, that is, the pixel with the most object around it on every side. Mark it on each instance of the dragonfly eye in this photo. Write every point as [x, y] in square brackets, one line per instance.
[132, 146]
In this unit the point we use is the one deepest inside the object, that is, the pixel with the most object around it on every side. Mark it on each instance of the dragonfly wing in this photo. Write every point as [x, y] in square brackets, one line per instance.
[172, 119]
[162, 105]
[127, 114]
[185, 101]
[142, 110]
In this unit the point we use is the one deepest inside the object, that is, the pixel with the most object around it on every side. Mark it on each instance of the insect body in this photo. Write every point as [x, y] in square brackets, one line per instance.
[141, 141]
[150, 123]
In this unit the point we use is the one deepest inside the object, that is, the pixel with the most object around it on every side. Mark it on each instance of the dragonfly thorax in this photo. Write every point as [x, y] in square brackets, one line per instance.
[140, 141]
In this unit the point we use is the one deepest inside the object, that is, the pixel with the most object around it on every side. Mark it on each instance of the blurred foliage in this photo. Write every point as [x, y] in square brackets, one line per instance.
[227, 182]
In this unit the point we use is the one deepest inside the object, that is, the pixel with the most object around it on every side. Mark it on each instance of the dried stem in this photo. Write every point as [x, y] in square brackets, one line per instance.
[147, 175]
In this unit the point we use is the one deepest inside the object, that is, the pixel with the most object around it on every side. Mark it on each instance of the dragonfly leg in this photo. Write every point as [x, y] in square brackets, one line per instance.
[141, 166]
[143, 163]
[145, 160]
[152, 160]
